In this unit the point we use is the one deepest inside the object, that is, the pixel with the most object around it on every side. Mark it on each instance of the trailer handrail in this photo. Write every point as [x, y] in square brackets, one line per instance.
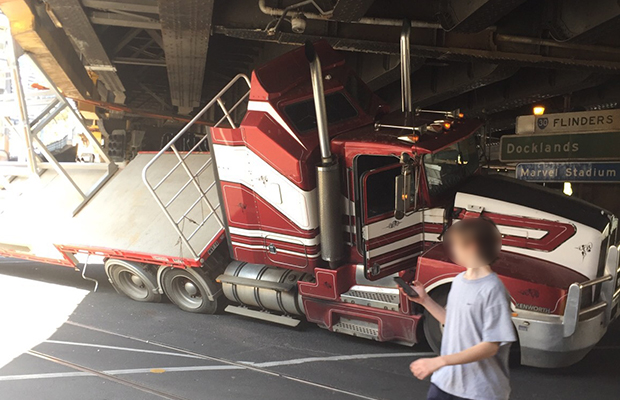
[193, 176]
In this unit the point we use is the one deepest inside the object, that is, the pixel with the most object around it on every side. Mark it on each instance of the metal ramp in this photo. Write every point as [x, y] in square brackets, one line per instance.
[166, 189]
[29, 125]
[121, 221]
[34, 212]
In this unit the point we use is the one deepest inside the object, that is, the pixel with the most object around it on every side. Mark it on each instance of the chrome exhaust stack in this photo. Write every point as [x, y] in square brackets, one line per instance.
[405, 69]
[328, 173]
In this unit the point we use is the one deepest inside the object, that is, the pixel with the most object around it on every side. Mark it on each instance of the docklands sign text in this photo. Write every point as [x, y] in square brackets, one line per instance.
[571, 146]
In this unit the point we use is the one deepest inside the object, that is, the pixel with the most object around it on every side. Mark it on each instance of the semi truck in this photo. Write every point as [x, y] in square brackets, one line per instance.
[308, 208]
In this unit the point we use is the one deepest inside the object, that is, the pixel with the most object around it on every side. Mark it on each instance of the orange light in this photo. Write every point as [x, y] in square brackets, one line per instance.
[538, 110]
[446, 125]
[461, 115]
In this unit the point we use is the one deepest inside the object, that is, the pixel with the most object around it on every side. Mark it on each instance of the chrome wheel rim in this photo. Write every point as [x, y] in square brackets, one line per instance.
[186, 292]
[131, 284]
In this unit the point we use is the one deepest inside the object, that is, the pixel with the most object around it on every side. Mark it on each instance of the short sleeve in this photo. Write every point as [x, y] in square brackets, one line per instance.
[497, 322]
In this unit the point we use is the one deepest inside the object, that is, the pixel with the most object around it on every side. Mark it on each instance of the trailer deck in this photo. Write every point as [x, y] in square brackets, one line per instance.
[122, 220]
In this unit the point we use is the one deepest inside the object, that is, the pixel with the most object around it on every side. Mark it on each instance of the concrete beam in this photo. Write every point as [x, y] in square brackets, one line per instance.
[186, 28]
[34, 31]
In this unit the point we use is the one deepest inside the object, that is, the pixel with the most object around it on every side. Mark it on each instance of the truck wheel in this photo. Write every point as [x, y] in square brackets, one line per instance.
[433, 330]
[190, 290]
[133, 280]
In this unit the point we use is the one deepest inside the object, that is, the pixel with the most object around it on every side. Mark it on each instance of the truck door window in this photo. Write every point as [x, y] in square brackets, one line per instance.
[446, 168]
[303, 115]
[380, 190]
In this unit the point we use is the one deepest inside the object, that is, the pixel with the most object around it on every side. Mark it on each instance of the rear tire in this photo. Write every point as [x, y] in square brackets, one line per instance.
[134, 280]
[433, 329]
[189, 289]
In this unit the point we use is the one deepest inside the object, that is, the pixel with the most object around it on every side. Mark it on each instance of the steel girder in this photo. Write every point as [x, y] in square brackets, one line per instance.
[35, 33]
[524, 88]
[473, 16]
[584, 20]
[186, 27]
[139, 6]
[351, 10]
[456, 47]
[77, 26]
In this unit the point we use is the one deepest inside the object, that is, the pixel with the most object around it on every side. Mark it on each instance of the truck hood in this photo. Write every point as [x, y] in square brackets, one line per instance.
[537, 197]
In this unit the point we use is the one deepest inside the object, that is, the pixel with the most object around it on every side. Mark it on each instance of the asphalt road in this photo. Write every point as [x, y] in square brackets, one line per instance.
[59, 340]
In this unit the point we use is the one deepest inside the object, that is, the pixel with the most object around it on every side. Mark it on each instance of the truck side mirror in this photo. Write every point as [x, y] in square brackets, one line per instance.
[405, 197]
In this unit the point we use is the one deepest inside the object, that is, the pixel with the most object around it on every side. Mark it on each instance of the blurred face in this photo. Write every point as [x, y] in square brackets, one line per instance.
[461, 251]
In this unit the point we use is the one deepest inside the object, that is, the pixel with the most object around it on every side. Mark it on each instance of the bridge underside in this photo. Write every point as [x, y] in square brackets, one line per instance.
[493, 59]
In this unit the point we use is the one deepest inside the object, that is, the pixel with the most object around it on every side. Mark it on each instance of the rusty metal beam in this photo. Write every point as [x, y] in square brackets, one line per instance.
[186, 27]
[34, 31]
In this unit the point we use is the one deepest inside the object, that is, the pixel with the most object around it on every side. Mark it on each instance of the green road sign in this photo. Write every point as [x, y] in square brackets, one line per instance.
[570, 146]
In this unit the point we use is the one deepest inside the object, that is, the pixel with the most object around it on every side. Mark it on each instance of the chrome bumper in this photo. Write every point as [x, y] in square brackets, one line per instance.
[606, 303]
[552, 341]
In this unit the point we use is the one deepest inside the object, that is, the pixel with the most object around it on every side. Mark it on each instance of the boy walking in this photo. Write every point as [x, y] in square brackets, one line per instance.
[478, 328]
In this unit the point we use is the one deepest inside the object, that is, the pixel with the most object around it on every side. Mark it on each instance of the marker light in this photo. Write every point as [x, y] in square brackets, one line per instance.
[461, 115]
[568, 189]
[446, 125]
[538, 110]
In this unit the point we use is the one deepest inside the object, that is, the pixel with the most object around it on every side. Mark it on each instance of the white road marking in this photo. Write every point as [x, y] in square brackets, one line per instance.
[103, 346]
[268, 364]
[334, 358]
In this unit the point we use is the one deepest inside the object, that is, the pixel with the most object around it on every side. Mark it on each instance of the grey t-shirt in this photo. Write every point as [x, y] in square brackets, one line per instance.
[477, 311]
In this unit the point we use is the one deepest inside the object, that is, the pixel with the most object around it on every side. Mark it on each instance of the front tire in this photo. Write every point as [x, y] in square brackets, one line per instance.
[190, 289]
[433, 329]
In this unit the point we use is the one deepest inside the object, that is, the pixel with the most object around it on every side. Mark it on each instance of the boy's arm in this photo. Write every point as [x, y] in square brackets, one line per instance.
[427, 302]
[425, 366]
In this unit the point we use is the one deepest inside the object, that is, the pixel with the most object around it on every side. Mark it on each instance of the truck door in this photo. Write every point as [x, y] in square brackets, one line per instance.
[389, 244]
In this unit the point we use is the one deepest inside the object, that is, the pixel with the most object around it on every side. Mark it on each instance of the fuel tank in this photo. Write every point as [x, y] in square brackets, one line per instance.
[263, 287]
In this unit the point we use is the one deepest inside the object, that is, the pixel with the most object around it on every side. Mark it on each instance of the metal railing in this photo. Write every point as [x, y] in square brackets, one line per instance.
[610, 290]
[178, 222]
[31, 130]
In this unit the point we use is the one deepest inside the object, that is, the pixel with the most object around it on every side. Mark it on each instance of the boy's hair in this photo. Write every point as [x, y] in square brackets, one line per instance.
[483, 233]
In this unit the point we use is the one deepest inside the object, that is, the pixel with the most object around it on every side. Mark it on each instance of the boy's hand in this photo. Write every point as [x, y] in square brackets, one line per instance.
[422, 295]
[424, 367]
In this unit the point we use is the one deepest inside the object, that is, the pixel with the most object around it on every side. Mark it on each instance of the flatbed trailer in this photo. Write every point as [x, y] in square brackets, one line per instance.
[121, 221]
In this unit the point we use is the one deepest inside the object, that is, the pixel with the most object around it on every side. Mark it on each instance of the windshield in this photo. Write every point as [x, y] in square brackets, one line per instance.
[446, 168]
[303, 115]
